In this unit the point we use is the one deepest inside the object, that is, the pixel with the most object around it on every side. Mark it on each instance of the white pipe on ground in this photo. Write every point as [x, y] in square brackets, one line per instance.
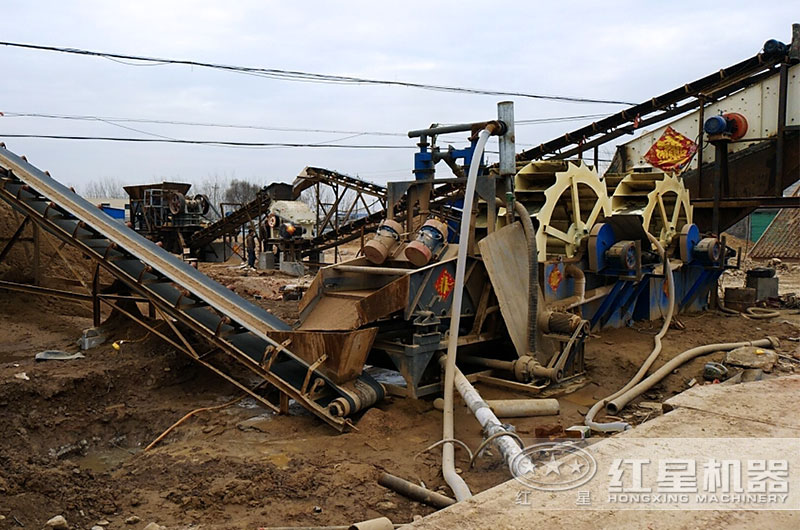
[491, 425]
[516, 408]
[621, 425]
[618, 403]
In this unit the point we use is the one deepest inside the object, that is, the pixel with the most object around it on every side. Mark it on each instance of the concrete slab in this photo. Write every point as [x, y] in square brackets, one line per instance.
[765, 410]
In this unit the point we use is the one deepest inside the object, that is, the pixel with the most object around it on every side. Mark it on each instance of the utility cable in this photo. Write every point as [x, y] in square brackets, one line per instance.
[219, 143]
[307, 77]
[116, 120]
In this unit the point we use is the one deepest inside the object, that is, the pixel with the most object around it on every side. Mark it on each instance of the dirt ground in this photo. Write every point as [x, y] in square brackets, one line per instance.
[73, 433]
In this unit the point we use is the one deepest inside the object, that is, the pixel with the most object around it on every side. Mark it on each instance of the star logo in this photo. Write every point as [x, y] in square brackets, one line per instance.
[576, 466]
[552, 466]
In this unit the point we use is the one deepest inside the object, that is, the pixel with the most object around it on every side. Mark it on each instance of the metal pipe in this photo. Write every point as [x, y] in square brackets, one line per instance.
[517, 463]
[414, 492]
[508, 162]
[494, 364]
[453, 479]
[579, 291]
[508, 158]
[459, 127]
[621, 425]
[618, 403]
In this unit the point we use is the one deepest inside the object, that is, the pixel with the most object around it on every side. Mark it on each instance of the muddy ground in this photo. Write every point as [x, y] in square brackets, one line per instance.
[72, 433]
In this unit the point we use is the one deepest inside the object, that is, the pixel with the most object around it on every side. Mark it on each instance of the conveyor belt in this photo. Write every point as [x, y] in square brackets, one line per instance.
[231, 223]
[225, 320]
[313, 175]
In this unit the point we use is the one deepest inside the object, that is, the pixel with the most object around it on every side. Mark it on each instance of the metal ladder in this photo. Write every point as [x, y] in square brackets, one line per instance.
[179, 294]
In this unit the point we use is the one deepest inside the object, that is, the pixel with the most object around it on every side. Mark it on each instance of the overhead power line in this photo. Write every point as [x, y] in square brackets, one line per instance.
[107, 119]
[117, 120]
[559, 119]
[220, 143]
[307, 77]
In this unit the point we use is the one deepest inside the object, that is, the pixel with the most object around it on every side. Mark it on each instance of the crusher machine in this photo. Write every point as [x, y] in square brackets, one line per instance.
[593, 266]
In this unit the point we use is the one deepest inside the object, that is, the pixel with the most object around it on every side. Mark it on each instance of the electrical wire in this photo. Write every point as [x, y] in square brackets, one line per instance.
[9, 114]
[218, 143]
[116, 120]
[307, 77]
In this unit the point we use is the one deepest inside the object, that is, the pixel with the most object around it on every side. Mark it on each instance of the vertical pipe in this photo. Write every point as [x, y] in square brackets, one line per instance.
[508, 159]
[508, 163]
[783, 89]
[596, 158]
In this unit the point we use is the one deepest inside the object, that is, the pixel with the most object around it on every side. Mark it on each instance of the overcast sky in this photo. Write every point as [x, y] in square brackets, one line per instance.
[627, 51]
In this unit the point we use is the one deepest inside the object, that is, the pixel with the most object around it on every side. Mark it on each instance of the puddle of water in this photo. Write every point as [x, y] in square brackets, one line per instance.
[105, 460]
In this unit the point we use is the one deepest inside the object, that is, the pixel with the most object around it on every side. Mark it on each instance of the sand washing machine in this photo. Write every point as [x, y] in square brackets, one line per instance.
[593, 266]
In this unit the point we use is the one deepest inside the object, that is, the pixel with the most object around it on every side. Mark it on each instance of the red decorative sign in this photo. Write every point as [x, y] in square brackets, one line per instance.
[444, 284]
[672, 152]
[554, 278]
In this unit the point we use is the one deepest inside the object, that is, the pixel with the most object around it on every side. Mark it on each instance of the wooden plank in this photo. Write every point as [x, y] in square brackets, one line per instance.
[505, 255]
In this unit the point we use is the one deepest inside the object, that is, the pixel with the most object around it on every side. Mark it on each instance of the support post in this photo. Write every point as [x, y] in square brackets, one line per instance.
[720, 177]
[700, 133]
[95, 297]
[37, 264]
[780, 149]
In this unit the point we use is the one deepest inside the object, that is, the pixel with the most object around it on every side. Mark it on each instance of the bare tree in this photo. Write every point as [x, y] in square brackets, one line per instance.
[241, 191]
[105, 188]
[213, 187]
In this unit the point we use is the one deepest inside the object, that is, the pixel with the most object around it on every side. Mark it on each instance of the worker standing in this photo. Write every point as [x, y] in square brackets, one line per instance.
[250, 244]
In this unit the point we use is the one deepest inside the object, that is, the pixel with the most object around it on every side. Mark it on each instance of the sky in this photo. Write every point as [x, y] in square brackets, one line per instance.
[615, 50]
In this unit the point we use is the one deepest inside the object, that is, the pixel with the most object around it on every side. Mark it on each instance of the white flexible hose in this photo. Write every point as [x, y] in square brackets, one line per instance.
[621, 425]
[619, 402]
[453, 479]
